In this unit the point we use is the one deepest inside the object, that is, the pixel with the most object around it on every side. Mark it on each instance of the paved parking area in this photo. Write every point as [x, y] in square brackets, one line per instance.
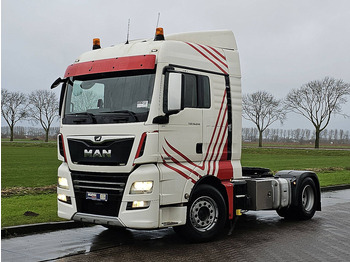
[258, 236]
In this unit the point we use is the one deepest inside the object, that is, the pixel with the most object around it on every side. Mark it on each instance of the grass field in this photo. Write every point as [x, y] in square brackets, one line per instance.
[35, 164]
[28, 164]
[277, 158]
[14, 208]
[332, 166]
[32, 164]
[298, 145]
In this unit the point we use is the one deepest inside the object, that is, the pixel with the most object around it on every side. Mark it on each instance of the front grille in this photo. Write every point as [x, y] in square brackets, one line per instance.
[111, 184]
[108, 153]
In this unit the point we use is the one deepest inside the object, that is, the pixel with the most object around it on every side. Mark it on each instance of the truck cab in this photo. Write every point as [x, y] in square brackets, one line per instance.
[150, 135]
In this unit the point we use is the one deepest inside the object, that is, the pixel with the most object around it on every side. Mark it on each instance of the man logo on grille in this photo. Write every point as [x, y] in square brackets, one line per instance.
[98, 138]
[97, 153]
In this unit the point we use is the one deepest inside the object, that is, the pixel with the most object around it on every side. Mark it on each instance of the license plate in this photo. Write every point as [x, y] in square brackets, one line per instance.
[96, 196]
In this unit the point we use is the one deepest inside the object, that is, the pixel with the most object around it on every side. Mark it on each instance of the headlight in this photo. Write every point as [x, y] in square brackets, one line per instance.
[64, 198]
[143, 187]
[63, 182]
[138, 205]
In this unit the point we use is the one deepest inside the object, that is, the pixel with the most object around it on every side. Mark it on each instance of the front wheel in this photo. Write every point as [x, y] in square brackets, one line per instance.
[206, 215]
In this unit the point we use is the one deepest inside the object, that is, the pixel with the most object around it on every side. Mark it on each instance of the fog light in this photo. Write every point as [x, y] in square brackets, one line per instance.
[64, 198]
[63, 182]
[141, 187]
[137, 205]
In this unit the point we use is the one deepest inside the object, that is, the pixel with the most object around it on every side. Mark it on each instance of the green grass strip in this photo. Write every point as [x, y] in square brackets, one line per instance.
[13, 209]
[28, 164]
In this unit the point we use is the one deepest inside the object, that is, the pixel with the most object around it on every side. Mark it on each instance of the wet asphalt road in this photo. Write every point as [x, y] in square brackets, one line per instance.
[258, 236]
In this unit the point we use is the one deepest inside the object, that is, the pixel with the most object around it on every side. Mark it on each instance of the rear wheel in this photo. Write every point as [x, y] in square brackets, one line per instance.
[285, 212]
[206, 215]
[307, 199]
[306, 206]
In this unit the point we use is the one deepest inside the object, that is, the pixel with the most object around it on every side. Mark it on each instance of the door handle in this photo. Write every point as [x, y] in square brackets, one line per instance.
[199, 148]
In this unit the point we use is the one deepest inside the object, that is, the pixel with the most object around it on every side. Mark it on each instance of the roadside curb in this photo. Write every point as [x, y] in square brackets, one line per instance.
[30, 229]
[334, 188]
[21, 230]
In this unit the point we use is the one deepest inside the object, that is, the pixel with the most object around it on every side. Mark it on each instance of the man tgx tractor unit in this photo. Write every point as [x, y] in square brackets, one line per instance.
[150, 137]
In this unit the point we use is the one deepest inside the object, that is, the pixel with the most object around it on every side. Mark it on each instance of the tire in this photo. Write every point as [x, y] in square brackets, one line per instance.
[306, 199]
[306, 206]
[285, 212]
[206, 215]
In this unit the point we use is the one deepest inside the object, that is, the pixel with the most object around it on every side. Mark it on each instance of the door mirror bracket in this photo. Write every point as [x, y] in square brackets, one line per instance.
[164, 119]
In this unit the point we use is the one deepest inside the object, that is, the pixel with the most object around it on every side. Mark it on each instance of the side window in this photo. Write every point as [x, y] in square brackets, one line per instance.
[196, 91]
[186, 90]
[204, 91]
[190, 94]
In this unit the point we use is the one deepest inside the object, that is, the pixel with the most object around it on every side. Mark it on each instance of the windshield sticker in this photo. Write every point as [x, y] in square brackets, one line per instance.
[142, 104]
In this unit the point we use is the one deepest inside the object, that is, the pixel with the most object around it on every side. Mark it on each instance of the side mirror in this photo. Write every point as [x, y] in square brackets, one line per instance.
[172, 101]
[57, 82]
[174, 92]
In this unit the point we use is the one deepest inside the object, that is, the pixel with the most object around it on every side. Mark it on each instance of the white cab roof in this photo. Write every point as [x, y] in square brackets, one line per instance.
[220, 38]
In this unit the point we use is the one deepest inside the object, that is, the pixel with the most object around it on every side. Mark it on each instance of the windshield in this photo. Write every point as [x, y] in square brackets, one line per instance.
[116, 98]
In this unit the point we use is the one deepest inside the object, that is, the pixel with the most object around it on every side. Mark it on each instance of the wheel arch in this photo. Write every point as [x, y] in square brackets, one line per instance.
[296, 178]
[214, 182]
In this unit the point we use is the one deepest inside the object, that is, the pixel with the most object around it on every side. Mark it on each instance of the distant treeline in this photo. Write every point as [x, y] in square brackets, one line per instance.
[28, 132]
[332, 136]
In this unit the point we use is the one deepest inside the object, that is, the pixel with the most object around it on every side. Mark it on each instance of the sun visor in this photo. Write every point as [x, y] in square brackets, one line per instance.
[111, 65]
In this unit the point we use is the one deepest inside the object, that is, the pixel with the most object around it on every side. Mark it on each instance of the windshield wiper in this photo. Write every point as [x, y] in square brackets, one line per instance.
[81, 120]
[130, 113]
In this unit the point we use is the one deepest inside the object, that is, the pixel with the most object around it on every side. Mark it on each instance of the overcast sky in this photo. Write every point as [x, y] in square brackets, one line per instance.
[282, 44]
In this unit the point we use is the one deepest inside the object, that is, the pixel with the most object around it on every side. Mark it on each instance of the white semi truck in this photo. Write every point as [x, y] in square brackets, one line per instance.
[150, 137]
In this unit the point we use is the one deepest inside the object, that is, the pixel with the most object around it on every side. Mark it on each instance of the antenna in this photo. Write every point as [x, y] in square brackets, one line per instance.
[158, 19]
[127, 35]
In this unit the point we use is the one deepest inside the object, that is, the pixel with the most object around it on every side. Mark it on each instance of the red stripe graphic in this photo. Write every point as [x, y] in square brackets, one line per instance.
[179, 164]
[142, 140]
[199, 51]
[216, 51]
[217, 155]
[211, 140]
[216, 125]
[182, 155]
[224, 63]
[178, 171]
[217, 139]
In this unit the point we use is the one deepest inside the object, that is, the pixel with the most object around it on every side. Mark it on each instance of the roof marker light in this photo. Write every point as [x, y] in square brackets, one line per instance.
[96, 43]
[159, 34]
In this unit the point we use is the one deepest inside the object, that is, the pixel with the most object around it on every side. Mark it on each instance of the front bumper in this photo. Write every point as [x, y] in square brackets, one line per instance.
[136, 218]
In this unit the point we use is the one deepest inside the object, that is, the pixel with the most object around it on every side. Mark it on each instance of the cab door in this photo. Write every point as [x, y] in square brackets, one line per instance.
[181, 138]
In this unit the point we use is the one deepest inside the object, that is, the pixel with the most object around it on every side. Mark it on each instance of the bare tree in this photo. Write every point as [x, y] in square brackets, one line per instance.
[85, 101]
[262, 109]
[317, 101]
[43, 109]
[13, 108]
